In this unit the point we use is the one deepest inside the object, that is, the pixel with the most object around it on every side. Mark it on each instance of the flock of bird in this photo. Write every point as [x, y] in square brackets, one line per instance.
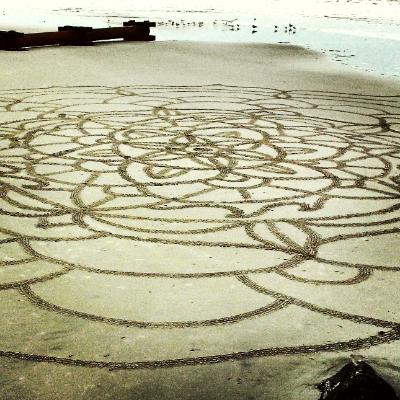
[287, 28]
[180, 23]
[232, 25]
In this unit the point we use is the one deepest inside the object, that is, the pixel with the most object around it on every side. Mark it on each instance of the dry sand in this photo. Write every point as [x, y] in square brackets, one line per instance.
[194, 221]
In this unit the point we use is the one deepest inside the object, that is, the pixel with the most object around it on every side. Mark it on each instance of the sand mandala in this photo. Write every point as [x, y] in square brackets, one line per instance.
[158, 226]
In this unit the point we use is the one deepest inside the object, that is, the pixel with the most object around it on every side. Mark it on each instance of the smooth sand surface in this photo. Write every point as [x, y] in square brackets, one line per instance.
[194, 221]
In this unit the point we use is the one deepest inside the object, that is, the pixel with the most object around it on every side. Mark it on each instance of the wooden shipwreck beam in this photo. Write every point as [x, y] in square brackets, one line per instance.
[76, 36]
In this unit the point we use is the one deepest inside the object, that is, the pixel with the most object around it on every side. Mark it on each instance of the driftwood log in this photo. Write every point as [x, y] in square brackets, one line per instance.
[76, 36]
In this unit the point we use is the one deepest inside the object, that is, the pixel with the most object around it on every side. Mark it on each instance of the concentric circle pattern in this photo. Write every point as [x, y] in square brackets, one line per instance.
[155, 226]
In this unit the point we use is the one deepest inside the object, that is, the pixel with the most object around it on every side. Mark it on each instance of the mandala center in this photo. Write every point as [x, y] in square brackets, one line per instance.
[198, 150]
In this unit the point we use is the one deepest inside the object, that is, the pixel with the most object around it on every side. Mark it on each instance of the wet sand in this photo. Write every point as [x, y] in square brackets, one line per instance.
[195, 221]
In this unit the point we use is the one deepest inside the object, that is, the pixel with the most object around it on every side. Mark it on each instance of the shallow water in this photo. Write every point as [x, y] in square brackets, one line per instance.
[363, 34]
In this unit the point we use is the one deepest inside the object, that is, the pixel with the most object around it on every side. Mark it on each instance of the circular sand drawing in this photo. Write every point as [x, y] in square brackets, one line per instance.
[156, 226]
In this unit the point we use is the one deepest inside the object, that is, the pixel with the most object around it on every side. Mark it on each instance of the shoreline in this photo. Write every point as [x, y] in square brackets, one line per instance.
[367, 44]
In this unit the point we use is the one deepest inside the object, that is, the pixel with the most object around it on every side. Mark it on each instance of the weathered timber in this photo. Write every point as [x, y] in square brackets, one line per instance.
[8, 39]
[132, 22]
[76, 36]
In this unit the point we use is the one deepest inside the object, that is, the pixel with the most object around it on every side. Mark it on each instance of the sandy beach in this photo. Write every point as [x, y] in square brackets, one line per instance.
[195, 221]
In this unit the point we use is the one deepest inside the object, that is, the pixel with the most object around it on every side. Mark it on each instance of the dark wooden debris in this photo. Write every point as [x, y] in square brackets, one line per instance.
[76, 36]
[356, 381]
